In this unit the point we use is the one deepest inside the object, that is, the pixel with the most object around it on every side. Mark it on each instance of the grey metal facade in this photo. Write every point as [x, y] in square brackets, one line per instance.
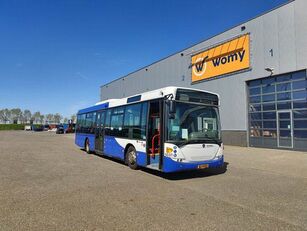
[282, 30]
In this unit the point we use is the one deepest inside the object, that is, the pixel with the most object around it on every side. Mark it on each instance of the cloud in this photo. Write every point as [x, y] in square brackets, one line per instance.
[76, 106]
[19, 65]
[81, 76]
[98, 54]
[110, 62]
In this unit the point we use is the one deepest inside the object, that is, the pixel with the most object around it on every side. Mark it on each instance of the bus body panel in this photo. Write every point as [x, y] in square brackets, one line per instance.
[199, 152]
[139, 145]
[171, 165]
[192, 156]
[80, 140]
[112, 148]
[193, 152]
[115, 147]
[141, 159]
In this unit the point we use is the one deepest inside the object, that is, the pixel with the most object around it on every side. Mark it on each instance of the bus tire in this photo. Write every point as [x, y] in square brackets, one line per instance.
[131, 158]
[87, 146]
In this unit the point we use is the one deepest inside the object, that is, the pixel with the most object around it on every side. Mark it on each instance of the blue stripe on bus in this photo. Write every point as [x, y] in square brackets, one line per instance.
[170, 165]
[80, 140]
[94, 108]
[141, 159]
[112, 147]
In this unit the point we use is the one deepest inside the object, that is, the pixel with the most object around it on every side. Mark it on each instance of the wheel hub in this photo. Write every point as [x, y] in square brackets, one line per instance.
[132, 157]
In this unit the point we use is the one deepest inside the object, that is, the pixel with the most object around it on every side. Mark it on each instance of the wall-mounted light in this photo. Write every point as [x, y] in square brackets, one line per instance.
[270, 69]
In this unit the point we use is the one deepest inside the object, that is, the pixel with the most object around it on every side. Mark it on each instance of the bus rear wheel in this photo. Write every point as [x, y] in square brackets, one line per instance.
[87, 146]
[131, 158]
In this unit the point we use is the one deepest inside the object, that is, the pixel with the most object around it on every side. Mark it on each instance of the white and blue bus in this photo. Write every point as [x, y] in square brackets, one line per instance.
[169, 129]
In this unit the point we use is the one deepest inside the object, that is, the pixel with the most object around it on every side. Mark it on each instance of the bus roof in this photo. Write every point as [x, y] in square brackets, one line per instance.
[149, 95]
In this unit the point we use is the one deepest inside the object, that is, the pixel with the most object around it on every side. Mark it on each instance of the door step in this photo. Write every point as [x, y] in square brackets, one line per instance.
[153, 166]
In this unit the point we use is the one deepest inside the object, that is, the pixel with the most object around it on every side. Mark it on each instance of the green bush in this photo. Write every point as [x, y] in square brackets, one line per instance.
[12, 126]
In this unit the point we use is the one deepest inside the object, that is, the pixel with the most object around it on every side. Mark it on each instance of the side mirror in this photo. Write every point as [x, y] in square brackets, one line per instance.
[172, 109]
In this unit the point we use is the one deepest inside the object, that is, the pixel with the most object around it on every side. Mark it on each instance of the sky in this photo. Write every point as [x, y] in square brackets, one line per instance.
[55, 54]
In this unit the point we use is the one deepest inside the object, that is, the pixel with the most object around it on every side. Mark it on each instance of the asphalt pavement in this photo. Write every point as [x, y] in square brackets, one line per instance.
[47, 183]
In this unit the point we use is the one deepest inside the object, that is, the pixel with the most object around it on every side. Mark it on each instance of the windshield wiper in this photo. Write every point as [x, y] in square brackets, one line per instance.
[189, 142]
[211, 140]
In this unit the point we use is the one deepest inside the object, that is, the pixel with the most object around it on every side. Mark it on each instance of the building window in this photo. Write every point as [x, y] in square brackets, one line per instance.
[270, 95]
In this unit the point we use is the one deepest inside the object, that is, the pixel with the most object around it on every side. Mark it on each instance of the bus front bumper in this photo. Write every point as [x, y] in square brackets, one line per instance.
[169, 165]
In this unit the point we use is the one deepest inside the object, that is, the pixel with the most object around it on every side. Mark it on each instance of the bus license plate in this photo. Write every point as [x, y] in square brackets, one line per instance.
[202, 166]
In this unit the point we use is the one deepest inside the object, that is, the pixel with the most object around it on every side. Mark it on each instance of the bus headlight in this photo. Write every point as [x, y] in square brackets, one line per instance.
[220, 152]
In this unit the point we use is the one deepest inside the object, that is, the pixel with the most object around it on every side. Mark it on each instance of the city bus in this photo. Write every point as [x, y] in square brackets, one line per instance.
[169, 129]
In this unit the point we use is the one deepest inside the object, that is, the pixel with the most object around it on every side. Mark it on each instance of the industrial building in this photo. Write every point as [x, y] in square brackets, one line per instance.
[259, 70]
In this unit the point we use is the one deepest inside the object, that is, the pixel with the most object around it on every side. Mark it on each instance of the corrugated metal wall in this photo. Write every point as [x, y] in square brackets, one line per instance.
[284, 30]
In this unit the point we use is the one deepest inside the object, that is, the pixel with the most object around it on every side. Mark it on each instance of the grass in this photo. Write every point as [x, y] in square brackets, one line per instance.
[12, 126]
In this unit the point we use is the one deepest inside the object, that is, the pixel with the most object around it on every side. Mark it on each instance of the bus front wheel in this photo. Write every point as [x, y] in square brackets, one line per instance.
[131, 158]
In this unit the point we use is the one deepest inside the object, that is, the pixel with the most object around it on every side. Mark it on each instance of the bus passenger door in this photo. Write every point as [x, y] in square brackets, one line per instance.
[154, 135]
[99, 132]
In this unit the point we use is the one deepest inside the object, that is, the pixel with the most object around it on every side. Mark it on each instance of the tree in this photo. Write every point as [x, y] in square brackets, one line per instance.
[65, 120]
[16, 115]
[2, 116]
[74, 118]
[5, 115]
[50, 118]
[27, 116]
[57, 118]
[41, 119]
[36, 117]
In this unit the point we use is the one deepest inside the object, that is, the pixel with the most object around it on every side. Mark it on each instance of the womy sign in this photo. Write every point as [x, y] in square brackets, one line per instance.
[225, 58]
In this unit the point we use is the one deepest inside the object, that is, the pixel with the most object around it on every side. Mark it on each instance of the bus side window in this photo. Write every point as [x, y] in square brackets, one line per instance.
[116, 123]
[89, 123]
[78, 127]
[83, 123]
[93, 122]
[132, 121]
[107, 123]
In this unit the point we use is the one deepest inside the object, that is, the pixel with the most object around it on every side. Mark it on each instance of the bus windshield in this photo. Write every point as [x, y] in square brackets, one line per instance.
[194, 123]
